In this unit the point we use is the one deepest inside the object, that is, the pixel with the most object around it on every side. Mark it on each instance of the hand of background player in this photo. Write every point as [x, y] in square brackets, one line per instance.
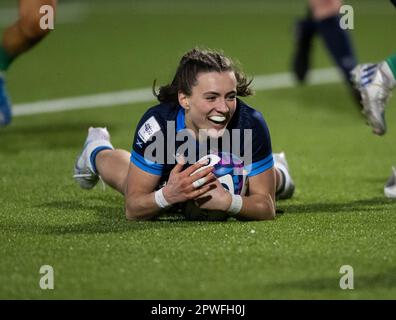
[180, 188]
[216, 198]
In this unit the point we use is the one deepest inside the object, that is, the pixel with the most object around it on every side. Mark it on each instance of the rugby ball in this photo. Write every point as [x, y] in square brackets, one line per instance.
[230, 172]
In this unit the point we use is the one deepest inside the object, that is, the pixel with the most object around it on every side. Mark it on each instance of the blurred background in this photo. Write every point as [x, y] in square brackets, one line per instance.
[103, 46]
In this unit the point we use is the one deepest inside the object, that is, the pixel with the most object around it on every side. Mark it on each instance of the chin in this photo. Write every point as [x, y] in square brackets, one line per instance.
[214, 133]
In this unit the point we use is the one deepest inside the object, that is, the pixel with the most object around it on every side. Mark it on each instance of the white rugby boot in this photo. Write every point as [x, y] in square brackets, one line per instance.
[375, 83]
[390, 187]
[84, 169]
[287, 189]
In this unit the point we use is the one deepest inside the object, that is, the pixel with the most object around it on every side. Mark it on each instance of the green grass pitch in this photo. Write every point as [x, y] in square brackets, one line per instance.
[339, 215]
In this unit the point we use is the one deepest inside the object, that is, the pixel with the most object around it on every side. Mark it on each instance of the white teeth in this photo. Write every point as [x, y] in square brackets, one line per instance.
[217, 118]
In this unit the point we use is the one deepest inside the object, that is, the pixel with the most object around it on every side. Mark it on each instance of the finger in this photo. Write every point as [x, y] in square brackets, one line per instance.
[204, 173]
[203, 191]
[199, 183]
[199, 192]
[177, 168]
[191, 169]
[180, 159]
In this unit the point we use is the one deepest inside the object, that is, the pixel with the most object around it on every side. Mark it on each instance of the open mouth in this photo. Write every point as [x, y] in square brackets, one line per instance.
[218, 120]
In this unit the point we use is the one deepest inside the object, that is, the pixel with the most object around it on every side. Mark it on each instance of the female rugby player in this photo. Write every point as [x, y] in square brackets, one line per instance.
[200, 104]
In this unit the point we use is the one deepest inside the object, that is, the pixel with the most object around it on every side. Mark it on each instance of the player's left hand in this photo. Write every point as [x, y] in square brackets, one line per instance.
[217, 198]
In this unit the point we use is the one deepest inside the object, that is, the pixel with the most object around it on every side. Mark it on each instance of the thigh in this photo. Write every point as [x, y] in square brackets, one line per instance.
[325, 8]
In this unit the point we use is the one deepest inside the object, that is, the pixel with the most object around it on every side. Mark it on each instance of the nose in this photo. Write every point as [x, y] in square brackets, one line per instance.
[222, 106]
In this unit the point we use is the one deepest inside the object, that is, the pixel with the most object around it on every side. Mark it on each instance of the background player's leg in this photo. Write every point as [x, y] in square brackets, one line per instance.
[304, 32]
[25, 32]
[391, 61]
[337, 40]
[18, 38]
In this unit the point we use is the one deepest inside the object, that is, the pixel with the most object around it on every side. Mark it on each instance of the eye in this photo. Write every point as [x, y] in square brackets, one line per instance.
[231, 97]
[211, 98]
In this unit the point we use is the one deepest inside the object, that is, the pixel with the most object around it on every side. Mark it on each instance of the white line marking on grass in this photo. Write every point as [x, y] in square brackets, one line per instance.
[286, 79]
[128, 97]
[100, 100]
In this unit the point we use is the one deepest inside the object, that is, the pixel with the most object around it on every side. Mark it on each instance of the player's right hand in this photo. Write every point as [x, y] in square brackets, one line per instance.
[188, 184]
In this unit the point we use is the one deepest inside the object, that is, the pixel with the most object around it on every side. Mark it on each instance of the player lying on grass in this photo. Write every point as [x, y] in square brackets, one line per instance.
[199, 105]
[18, 38]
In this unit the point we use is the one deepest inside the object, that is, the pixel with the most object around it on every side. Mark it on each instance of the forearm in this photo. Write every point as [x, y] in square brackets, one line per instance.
[257, 207]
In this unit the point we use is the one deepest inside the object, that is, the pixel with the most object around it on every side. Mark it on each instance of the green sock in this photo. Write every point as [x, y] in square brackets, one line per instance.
[391, 61]
[5, 59]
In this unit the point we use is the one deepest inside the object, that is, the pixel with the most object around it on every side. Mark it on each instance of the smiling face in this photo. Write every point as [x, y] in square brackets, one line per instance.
[211, 104]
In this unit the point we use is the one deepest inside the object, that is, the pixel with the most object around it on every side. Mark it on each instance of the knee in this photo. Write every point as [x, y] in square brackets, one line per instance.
[31, 27]
[325, 8]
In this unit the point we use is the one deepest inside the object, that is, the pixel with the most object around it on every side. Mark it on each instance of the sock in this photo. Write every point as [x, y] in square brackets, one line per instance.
[5, 59]
[304, 31]
[93, 155]
[92, 148]
[338, 43]
[391, 62]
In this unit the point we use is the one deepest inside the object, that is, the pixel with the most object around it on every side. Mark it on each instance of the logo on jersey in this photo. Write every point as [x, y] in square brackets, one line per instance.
[139, 143]
[148, 129]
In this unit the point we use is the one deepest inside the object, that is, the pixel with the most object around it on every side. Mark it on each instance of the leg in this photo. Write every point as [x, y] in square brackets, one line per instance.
[391, 62]
[26, 32]
[323, 9]
[99, 158]
[304, 32]
[18, 38]
[337, 41]
[112, 166]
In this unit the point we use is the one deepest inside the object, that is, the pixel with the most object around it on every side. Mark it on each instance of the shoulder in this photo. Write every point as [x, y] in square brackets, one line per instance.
[161, 112]
[250, 118]
[154, 120]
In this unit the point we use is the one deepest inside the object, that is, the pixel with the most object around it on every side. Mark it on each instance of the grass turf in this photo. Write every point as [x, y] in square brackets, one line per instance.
[338, 216]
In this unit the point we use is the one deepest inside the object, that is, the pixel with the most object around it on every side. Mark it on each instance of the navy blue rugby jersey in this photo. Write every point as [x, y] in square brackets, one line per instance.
[155, 142]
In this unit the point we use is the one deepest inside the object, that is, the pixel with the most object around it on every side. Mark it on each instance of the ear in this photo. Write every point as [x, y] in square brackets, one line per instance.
[183, 100]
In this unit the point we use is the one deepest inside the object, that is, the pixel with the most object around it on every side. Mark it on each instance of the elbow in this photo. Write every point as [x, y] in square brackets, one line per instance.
[270, 215]
[132, 212]
[267, 210]
[135, 213]
[131, 215]
[267, 215]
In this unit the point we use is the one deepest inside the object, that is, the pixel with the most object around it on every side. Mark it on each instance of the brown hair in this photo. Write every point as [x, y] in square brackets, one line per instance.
[196, 61]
